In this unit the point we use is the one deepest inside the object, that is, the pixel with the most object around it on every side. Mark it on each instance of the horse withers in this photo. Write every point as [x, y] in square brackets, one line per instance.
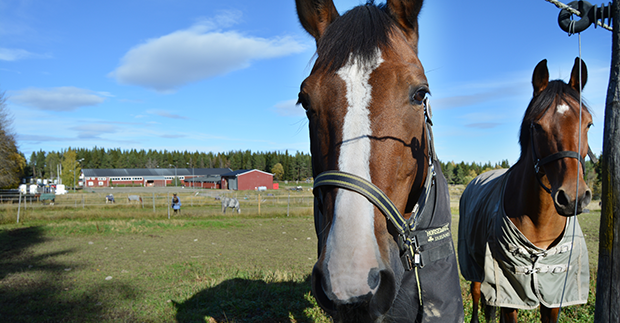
[382, 213]
[516, 226]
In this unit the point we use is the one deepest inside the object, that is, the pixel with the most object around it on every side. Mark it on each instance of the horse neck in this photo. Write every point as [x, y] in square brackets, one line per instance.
[524, 197]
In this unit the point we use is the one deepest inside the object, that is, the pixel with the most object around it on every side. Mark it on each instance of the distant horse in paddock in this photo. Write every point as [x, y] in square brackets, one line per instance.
[381, 204]
[109, 199]
[134, 198]
[230, 202]
[516, 226]
[48, 197]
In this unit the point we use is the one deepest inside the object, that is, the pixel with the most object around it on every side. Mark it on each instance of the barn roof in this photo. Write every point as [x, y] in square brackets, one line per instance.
[121, 172]
[205, 179]
[243, 171]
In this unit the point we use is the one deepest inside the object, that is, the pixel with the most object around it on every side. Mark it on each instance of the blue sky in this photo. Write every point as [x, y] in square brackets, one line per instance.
[224, 75]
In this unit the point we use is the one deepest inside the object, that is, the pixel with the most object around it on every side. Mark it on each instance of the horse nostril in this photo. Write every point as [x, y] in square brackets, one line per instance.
[385, 294]
[587, 198]
[561, 198]
[374, 278]
[319, 293]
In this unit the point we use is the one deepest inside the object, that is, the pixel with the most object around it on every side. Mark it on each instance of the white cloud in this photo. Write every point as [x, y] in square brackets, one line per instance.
[166, 114]
[67, 98]
[197, 53]
[289, 108]
[13, 54]
[93, 131]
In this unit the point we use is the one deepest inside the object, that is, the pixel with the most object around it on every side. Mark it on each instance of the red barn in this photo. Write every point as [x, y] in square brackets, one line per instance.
[245, 179]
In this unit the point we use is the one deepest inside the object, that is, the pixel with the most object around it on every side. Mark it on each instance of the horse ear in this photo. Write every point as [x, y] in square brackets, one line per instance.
[316, 15]
[540, 79]
[574, 75]
[405, 13]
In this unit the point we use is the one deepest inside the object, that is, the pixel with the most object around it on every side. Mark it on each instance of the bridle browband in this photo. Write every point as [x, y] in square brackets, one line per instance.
[410, 241]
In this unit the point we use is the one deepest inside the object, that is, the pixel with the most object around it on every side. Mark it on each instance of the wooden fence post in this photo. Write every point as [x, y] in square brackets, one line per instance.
[19, 205]
[608, 279]
[288, 203]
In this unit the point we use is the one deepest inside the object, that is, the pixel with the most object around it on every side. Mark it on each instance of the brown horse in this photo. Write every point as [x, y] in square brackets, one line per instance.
[516, 230]
[382, 212]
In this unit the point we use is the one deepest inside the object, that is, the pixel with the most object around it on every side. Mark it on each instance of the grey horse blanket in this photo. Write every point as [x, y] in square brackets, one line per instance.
[514, 272]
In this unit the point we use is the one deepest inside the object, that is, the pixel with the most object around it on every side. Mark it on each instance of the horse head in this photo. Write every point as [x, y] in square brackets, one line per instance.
[554, 133]
[365, 103]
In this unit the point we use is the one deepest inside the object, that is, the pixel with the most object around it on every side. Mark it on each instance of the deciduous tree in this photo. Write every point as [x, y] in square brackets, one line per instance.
[278, 171]
[12, 163]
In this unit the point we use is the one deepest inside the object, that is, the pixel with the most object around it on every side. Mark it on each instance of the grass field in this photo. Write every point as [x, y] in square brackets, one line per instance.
[128, 264]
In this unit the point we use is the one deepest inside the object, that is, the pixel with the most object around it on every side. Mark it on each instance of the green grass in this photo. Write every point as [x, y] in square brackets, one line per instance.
[124, 264]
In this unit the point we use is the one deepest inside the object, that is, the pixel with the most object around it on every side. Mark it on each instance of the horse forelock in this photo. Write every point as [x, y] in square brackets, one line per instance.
[359, 32]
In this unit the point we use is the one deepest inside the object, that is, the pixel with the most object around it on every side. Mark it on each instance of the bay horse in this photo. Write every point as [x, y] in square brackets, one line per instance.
[517, 226]
[381, 206]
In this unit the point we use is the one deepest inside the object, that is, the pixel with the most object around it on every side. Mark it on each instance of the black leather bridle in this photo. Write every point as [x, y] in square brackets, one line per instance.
[538, 162]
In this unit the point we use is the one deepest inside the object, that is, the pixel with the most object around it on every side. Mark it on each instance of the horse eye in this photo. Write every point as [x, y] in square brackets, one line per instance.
[419, 96]
[590, 125]
[303, 100]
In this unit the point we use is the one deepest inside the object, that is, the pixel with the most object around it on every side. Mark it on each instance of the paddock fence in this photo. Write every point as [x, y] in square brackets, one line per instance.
[158, 200]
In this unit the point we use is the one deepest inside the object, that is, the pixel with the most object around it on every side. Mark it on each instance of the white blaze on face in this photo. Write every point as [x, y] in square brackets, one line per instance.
[562, 108]
[352, 248]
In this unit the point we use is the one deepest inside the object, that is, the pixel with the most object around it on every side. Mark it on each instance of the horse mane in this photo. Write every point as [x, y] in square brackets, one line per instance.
[556, 89]
[360, 31]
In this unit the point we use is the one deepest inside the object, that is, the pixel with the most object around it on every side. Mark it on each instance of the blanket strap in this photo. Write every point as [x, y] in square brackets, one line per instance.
[417, 247]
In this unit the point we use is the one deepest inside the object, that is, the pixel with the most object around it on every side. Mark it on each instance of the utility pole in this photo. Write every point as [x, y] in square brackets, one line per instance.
[607, 307]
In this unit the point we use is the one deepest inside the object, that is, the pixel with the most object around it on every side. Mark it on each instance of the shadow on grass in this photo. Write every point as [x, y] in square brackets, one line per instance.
[34, 287]
[245, 300]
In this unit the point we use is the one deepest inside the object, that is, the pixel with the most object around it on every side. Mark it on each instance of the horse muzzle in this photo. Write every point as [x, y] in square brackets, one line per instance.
[568, 205]
[369, 307]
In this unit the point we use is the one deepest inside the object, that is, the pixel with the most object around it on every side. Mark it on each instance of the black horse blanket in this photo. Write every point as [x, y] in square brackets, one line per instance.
[514, 272]
[438, 281]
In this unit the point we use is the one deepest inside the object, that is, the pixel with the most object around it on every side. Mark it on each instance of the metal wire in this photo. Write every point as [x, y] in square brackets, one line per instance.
[574, 219]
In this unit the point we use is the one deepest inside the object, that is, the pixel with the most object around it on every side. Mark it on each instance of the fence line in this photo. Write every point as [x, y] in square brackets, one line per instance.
[196, 202]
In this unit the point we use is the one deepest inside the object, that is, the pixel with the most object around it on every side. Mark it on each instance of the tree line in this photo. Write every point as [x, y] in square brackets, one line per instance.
[463, 173]
[283, 165]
